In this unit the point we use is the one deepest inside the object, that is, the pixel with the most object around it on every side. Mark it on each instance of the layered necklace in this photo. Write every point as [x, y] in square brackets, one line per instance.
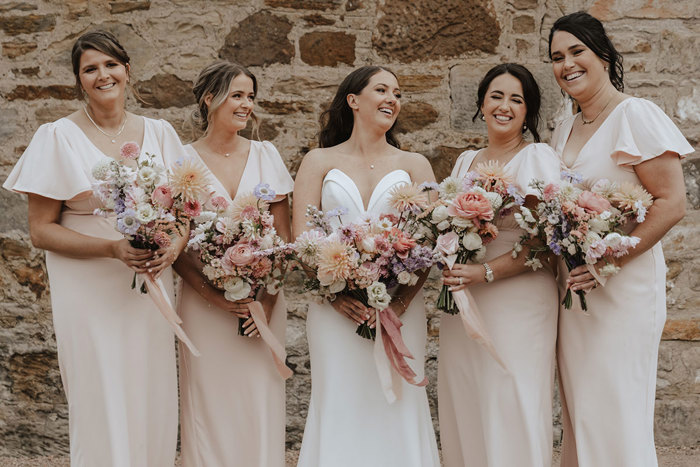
[112, 138]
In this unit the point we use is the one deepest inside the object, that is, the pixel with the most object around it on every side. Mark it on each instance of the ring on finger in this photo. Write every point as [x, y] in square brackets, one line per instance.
[461, 281]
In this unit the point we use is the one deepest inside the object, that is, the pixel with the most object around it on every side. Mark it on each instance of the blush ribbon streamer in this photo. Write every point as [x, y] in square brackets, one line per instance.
[279, 355]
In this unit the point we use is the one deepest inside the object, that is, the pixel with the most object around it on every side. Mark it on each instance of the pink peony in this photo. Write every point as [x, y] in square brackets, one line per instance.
[237, 255]
[162, 196]
[550, 192]
[593, 202]
[448, 243]
[192, 208]
[130, 150]
[219, 202]
[471, 206]
[403, 244]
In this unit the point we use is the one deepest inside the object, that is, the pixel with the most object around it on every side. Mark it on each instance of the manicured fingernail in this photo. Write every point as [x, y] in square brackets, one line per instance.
[148, 264]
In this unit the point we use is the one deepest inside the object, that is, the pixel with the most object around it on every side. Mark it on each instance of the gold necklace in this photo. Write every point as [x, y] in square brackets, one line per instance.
[112, 138]
[588, 122]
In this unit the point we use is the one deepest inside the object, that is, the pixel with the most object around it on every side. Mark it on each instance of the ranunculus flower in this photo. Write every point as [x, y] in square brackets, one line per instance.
[448, 243]
[377, 296]
[238, 255]
[593, 202]
[236, 289]
[471, 206]
[439, 214]
[162, 196]
[192, 208]
[130, 150]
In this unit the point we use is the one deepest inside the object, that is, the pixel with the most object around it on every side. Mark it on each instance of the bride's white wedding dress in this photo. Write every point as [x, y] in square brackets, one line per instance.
[350, 423]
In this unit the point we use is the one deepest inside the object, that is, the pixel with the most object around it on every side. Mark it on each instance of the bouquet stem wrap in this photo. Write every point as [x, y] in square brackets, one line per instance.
[160, 297]
[473, 325]
[279, 355]
[390, 354]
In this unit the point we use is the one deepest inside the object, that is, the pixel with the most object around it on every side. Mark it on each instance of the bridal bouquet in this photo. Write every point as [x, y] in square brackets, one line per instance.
[239, 246]
[463, 221]
[583, 225]
[368, 258]
[152, 204]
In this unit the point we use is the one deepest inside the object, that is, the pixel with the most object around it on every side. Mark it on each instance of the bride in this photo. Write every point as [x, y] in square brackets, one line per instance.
[350, 422]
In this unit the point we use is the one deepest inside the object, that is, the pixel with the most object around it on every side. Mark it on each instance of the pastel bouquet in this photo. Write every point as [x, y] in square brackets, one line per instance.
[152, 204]
[239, 247]
[368, 258]
[583, 225]
[464, 221]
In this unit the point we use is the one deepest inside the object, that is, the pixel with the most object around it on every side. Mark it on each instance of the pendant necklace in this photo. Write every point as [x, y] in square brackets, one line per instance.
[588, 122]
[112, 138]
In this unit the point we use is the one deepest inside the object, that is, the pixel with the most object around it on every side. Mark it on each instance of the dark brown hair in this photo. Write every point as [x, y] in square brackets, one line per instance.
[102, 41]
[531, 94]
[337, 121]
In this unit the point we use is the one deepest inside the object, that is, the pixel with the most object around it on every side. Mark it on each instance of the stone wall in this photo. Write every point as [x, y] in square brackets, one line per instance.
[300, 50]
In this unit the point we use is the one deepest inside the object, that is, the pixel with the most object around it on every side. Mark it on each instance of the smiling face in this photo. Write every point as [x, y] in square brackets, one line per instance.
[379, 102]
[235, 110]
[504, 106]
[102, 77]
[577, 69]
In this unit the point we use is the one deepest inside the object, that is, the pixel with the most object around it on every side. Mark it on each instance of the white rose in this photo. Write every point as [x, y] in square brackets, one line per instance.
[439, 214]
[471, 241]
[145, 213]
[337, 286]
[404, 277]
[378, 298]
[462, 223]
[236, 289]
[443, 225]
[367, 245]
[613, 240]
[147, 175]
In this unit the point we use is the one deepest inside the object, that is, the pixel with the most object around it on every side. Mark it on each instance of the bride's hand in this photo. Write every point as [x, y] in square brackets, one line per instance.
[352, 308]
[462, 276]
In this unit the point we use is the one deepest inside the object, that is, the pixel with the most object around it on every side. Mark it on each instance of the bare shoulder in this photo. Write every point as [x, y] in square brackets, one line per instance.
[317, 161]
[417, 165]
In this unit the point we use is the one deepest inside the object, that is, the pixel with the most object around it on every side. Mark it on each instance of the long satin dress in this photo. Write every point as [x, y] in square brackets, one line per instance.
[490, 417]
[350, 423]
[607, 359]
[115, 350]
[232, 398]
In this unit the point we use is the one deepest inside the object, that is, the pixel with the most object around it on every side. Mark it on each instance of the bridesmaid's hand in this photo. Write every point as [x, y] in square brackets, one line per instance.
[581, 279]
[134, 258]
[161, 259]
[462, 276]
[250, 329]
[352, 308]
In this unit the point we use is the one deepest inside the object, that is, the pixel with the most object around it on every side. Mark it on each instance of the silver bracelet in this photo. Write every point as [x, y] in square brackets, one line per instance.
[488, 276]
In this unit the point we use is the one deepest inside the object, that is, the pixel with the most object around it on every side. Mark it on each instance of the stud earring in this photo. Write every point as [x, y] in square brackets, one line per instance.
[483, 118]
[524, 126]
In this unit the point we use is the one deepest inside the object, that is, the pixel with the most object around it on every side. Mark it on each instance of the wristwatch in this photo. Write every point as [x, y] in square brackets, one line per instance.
[489, 272]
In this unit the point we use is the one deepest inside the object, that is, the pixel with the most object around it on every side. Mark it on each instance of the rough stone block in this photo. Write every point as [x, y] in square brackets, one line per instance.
[685, 330]
[32, 92]
[610, 10]
[14, 25]
[327, 48]
[418, 83]
[260, 39]
[15, 49]
[304, 4]
[416, 116]
[124, 7]
[19, 6]
[165, 90]
[410, 30]
[523, 24]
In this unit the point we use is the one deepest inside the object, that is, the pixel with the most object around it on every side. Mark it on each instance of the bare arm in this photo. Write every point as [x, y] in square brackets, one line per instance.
[307, 189]
[46, 233]
[663, 178]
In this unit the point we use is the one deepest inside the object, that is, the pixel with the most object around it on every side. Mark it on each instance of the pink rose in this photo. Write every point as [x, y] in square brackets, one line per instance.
[593, 202]
[163, 196]
[192, 208]
[550, 192]
[471, 206]
[237, 255]
[448, 243]
[130, 150]
[219, 202]
[402, 244]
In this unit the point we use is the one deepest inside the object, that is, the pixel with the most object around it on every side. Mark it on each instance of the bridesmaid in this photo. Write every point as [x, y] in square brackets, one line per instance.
[607, 360]
[350, 422]
[490, 417]
[115, 350]
[233, 402]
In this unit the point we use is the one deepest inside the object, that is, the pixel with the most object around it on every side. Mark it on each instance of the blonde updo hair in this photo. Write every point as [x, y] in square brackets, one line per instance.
[215, 80]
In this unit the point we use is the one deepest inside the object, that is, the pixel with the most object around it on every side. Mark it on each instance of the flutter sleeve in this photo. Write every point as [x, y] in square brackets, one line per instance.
[644, 132]
[538, 162]
[50, 166]
[273, 171]
[172, 148]
[462, 163]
